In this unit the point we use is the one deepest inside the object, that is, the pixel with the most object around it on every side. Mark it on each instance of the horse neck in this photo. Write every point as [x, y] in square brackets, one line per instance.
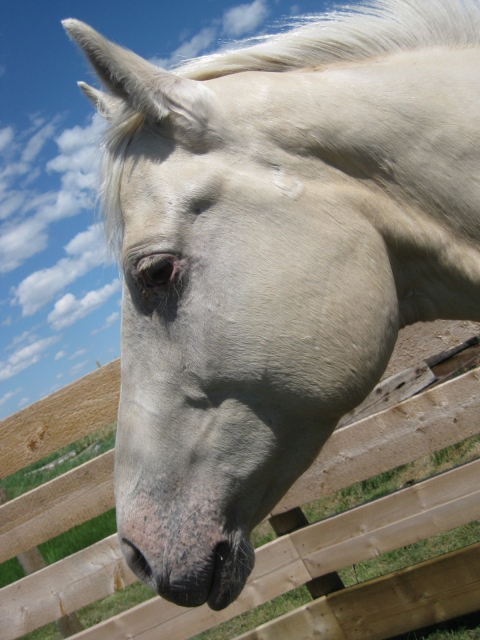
[404, 135]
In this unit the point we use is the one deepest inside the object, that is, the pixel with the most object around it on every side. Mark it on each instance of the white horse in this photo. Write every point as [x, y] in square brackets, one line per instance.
[279, 212]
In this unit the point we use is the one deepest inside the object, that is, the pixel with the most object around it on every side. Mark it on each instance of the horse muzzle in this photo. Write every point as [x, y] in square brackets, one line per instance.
[190, 566]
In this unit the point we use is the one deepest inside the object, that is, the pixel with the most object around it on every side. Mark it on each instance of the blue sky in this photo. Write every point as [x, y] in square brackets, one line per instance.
[59, 293]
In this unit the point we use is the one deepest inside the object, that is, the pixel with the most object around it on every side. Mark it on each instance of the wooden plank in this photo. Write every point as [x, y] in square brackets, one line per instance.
[433, 506]
[430, 421]
[427, 593]
[293, 520]
[412, 514]
[96, 572]
[144, 621]
[309, 621]
[59, 419]
[62, 588]
[390, 391]
[436, 359]
[58, 505]
[313, 620]
[277, 569]
[458, 363]
[32, 561]
[419, 426]
[255, 593]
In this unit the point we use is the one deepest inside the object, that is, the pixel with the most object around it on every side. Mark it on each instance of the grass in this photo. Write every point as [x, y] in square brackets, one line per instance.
[34, 475]
[104, 525]
[261, 614]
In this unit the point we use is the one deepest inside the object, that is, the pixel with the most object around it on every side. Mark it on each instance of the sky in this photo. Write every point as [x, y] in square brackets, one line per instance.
[60, 296]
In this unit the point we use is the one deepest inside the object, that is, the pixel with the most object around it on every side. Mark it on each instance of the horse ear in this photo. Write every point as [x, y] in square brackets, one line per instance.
[105, 104]
[153, 92]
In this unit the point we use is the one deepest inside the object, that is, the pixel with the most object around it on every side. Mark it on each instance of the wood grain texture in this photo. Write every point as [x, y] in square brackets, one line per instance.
[425, 594]
[390, 391]
[56, 506]
[32, 561]
[62, 588]
[313, 620]
[278, 569]
[293, 521]
[423, 340]
[68, 414]
[419, 426]
[430, 421]
[433, 506]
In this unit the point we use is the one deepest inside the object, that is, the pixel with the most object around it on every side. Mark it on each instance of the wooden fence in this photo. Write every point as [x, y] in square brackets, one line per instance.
[304, 553]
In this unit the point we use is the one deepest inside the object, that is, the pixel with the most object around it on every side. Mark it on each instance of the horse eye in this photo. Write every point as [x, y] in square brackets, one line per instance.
[155, 271]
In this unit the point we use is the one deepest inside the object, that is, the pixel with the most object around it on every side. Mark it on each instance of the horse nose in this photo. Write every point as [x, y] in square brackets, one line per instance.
[136, 561]
[179, 593]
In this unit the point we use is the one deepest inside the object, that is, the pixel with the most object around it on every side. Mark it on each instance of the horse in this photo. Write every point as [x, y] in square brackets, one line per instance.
[279, 211]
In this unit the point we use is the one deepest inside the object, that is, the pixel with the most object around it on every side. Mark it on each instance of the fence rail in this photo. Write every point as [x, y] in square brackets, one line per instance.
[416, 427]
[416, 597]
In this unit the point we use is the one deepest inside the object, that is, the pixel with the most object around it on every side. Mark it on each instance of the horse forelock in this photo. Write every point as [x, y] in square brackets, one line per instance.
[119, 133]
[373, 29]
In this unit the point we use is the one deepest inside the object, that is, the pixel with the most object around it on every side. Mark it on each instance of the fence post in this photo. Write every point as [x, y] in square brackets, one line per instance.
[292, 520]
[31, 561]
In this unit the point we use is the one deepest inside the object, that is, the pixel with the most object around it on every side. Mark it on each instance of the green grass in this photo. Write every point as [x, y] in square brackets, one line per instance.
[371, 489]
[261, 614]
[85, 449]
[98, 611]
[33, 476]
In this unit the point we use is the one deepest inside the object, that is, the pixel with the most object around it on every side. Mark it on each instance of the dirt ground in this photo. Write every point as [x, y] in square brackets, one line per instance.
[424, 339]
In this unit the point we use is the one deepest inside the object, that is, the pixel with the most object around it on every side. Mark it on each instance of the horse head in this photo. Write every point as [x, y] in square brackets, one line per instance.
[259, 306]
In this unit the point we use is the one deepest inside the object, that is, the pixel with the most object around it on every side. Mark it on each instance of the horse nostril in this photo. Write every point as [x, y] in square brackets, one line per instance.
[136, 560]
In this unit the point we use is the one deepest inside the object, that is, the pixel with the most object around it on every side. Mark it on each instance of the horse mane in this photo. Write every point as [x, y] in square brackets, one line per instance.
[369, 30]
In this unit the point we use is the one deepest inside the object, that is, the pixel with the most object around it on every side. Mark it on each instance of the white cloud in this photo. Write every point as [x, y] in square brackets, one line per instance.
[61, 354]
[72, 141]
[23, 402]
[86, 251]
[12, 202]
[23, 337]
[237, 21]
[244, 18]
[189, 49]
[66, 204]
[77, 354]
[36, 142]
[9, 395]
[78, 159]
[6, 137]
[77, 368]
[24, 357]
[86, 241]
[69, 310]
[77, 162]
[195, 45]
[112, 318]
[21, 241]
